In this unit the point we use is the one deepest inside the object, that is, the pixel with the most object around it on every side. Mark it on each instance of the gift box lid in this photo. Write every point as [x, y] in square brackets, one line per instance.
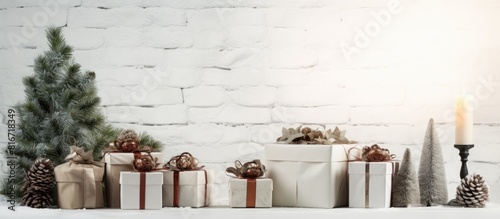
[263, 183]
[383, 168]
[309, 152]
[196, 177]
[72, 172]
[133, 178]
[127, 158]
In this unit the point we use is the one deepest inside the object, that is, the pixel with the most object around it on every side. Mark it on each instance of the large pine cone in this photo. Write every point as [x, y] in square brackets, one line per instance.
[473, 191]
[39, 185]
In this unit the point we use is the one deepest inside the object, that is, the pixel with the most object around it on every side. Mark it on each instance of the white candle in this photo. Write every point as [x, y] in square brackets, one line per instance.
[463, 119]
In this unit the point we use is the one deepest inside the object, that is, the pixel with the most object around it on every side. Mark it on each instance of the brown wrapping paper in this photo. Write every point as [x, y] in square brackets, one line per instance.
[79, 185]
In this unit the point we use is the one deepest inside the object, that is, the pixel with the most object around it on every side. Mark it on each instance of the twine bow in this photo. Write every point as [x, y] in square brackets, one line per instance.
[375, 153]
[183, 162]
[144, 162]
[249, 170]
[79, 156]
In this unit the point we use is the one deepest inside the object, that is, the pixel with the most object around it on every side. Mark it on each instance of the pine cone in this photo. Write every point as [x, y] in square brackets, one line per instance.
[127, 141]
[39, 184]
[473, 191]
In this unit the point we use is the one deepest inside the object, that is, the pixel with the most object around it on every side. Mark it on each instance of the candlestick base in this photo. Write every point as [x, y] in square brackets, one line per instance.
[464, 153]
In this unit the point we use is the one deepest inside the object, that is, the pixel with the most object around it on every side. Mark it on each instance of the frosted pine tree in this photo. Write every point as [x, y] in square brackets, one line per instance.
[61, 109]
[406, 191]
[431, 174]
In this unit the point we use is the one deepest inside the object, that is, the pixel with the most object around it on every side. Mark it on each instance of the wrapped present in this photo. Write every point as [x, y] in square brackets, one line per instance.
[186, 184]
[370, 184]
[141, 190]
[79, 181]
[308, 175]
[117, 162]
[249, 189]
[250, 193]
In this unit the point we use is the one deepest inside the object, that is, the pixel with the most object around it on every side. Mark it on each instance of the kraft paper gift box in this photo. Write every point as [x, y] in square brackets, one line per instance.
[141, 190]
[309, 175]
[370, 184]
[115, 163]
[187, 188]
[79, 185]
[250, 193]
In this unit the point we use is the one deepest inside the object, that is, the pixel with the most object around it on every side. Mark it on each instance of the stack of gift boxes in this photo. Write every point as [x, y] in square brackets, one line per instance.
[293, 174]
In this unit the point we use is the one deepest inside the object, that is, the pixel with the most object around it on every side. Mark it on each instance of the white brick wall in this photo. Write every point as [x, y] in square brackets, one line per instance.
[221, 78]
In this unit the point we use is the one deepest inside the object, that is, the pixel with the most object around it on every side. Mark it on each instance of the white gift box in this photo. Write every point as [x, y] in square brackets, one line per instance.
[137, 193]
[116, 163]
[370, 184]
[309, 175]
[191, 190]
[250, 193]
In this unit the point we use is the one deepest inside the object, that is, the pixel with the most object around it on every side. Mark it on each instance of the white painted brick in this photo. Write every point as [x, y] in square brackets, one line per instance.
[245, 16]
[290, 58]
[231, 114]
[392, 134]
[90, 59]
[247, 36]
[22, 57]
[83, 38]
[102, 18]
[266, 134]
[208, 96]
[138, 95]
[212, 133]
[286, 77]
[209, 39]
[124, 36]
[11, 94]
[383, 115]
[120, 76]
[14, 76]
[133, 56]
[243, 58]
[310, 96]
[22, 37]
[41, 3]
[167, 16]
[233, 78]
[285, 37]
[205, 152]
[110, 3]
[312, 115]
[209, 19]
[182, 77]
[260, 96]
[375, 96]
[168, 114]
[33, 16]
[168, 38]
[190, 58]
[487, 115]
[298, 17]
[444, 96]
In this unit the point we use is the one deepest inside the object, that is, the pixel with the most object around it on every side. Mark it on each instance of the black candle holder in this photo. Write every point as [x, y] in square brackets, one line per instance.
[464, 153]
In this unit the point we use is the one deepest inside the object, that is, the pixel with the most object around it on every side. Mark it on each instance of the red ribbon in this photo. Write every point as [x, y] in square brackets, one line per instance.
[251, 192]
[142, 191]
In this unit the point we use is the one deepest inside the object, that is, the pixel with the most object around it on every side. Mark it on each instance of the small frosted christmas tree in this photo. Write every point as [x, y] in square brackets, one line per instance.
[405, 191]
[61, 109]
[431, 173]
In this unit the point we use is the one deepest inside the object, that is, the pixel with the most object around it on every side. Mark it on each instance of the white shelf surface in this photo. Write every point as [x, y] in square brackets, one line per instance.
[436, 212]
